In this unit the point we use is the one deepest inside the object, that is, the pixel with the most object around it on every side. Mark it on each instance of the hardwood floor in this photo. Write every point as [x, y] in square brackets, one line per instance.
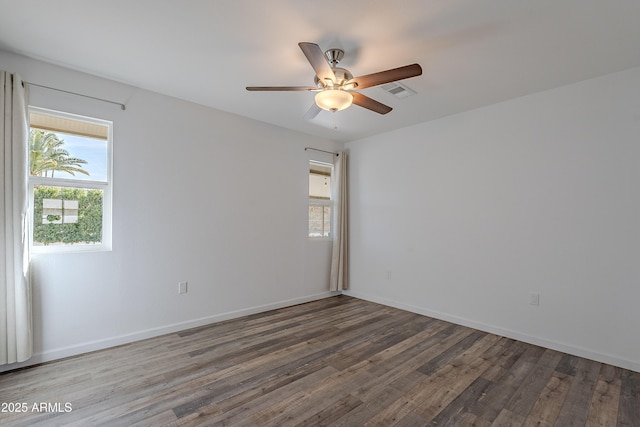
[338, 361]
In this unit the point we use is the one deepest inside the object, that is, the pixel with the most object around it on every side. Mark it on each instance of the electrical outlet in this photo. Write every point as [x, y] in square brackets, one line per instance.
[182, 287]
[534, 298]
[388, 275]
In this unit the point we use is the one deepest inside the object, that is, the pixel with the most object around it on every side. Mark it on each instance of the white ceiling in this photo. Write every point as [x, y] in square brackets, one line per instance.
[473, 53]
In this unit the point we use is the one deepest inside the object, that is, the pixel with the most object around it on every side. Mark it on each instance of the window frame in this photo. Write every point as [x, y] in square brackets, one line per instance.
[106, 187]
[321, 202]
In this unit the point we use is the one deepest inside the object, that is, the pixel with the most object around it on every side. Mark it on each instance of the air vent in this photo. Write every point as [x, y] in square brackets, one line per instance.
[398, 90]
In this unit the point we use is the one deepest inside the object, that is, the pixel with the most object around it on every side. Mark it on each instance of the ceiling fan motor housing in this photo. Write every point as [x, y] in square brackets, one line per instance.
[342, 76]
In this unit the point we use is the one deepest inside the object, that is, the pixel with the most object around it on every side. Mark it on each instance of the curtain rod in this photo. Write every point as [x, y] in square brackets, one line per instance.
[122, 106]
[323, 151]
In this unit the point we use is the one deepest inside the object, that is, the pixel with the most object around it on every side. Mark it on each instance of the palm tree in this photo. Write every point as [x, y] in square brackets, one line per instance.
[47, 155]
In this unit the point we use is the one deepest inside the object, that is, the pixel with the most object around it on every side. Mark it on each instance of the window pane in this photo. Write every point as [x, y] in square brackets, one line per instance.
[67, 216]
[319, 221]
[319, 186]
[62, 155]
[327, 222]
[319, 199]
[316, 221]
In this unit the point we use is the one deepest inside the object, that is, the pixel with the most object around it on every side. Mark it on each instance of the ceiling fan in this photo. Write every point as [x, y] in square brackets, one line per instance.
[336, 86]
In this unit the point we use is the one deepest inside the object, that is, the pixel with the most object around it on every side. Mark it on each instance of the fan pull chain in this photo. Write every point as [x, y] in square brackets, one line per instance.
[335, 124]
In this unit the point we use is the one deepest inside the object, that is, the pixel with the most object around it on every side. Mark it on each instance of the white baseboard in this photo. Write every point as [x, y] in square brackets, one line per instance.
[87, 347]
[539, 341]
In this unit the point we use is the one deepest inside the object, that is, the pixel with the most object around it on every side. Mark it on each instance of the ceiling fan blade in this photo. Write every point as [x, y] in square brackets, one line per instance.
[312, 112]
[281, 88]
[387, 76]
[370, 104]
[318, 61]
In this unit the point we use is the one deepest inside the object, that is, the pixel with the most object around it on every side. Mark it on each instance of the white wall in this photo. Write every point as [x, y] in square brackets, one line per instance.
[461, 218]
[199, 195]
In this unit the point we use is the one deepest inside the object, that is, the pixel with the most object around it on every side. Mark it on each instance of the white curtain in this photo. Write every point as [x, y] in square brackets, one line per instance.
[340, 251]
[16, 343]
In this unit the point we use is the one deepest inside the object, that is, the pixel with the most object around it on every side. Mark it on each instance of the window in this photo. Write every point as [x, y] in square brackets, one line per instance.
[69, 182]
[320, 199]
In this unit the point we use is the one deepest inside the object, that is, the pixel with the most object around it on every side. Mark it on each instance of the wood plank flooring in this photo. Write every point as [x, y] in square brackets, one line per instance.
[338, 361]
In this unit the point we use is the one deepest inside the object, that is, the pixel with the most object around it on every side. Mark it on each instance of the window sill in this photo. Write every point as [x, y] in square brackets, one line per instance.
[44, 250]
[320, 239]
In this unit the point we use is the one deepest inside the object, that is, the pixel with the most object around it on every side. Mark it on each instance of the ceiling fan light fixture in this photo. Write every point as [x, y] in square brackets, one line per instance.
[333, 99]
